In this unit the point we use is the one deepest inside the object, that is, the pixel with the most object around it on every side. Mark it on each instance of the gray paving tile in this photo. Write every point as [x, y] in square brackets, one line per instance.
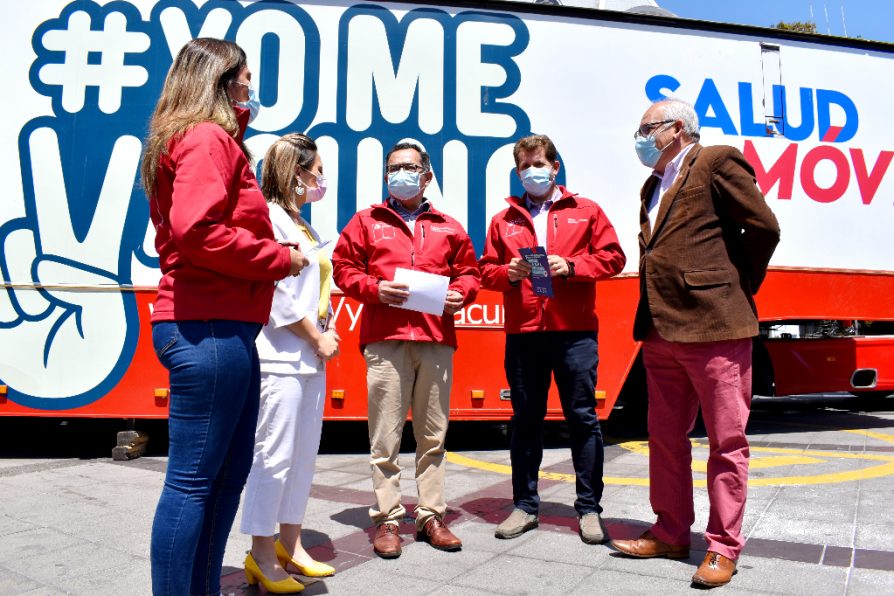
[799, 531]
[12, 582]
[23, 545]
[506, 574]
[62, 567]
[11, 525]
[874, 536]
[563, 548]
[863, 582]
[479, 537]
[789, 577]
[609, 581]
[374, 577]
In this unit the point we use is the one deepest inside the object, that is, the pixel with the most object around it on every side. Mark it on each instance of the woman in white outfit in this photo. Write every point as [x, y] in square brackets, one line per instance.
[293, 347]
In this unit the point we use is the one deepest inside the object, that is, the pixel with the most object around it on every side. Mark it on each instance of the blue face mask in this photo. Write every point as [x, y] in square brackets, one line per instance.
[253, 105]
[646, 149]
[537, 181]
[404, 185]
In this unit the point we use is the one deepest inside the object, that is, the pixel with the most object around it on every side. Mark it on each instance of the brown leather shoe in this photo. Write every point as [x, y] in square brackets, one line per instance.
[387, 542]
[436, 533]
[715, 570]
[647, 546]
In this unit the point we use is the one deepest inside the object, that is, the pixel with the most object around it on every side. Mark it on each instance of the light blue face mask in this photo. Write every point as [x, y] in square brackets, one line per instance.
[253, 105]
[646, 149]
[404, 185]
[537, 181]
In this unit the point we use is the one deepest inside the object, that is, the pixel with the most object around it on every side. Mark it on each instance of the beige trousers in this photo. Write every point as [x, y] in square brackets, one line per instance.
[404, 375]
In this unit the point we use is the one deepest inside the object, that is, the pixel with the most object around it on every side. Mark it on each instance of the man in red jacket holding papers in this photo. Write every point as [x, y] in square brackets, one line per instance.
[545, 252]
[409, 353]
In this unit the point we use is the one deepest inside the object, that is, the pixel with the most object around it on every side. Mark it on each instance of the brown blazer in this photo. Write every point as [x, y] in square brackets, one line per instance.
[708, 253]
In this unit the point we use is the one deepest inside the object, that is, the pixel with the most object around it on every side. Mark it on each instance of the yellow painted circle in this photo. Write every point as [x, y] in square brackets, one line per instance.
[767, 457]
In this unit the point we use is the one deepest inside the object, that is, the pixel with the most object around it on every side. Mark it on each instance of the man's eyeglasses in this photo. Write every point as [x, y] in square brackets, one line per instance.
[394, 168]
[646, 129]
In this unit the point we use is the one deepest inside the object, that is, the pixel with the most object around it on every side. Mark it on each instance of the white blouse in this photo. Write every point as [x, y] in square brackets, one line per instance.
[282, 351]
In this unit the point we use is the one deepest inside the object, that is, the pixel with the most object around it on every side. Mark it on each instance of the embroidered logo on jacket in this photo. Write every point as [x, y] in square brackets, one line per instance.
[443, 229]
[514, 227]
[382, 231]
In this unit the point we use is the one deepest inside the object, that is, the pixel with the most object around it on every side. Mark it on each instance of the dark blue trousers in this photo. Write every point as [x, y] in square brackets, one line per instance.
[531, 360]
[215, 388]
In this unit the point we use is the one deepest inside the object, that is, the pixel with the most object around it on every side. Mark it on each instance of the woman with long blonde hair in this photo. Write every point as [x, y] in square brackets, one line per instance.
[219, 261]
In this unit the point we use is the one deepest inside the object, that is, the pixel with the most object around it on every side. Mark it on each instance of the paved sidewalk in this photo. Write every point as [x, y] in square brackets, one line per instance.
[819, 521]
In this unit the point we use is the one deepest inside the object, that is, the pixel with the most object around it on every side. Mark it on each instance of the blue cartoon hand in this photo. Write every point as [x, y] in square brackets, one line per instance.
[63, 318]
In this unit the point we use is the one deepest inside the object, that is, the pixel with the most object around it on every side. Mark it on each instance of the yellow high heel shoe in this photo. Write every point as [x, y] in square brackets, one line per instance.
[315, 569]
[253, 575]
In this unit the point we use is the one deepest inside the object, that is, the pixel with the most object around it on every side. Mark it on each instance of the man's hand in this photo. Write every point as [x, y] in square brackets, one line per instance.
[518, 269]
[393, 293]
[558, 266]
[453, 303]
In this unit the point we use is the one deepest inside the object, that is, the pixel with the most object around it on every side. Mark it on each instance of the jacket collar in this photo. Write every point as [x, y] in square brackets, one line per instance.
[242, 116]
[383, 206]
[519, 204]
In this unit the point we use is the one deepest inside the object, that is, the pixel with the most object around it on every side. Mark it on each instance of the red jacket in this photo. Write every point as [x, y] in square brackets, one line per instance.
[580, 232]
[375, 242]
[212, 232]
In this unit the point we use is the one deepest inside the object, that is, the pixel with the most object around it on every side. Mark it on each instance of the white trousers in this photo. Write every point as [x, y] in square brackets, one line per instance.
[286, 444]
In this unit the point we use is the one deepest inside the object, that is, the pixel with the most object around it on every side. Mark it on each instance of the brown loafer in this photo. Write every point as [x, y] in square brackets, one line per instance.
[436, 533]
[647, 546]
[387, 541]
[715, 570]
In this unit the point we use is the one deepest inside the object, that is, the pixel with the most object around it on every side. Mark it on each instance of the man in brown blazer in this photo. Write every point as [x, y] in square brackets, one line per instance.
[706, 238]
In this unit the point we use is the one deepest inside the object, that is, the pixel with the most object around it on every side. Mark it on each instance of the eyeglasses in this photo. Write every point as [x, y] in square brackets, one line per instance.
[394, 168]
[646, 129]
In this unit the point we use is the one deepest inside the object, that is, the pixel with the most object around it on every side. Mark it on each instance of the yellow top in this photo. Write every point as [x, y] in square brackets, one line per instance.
[325, 274]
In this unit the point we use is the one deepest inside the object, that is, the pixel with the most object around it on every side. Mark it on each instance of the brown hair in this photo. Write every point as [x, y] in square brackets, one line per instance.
[195, 91]
[531, 143]
[280, 165]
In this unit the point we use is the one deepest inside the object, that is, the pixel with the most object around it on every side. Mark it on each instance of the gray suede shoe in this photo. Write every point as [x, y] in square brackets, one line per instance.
[516, 524]
[592, 530]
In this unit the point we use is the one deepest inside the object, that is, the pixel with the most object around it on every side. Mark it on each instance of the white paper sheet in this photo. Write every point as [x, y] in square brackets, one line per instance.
[427, 290]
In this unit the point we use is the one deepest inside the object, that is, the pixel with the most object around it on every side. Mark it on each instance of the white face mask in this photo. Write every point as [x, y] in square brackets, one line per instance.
[253, 105]
[404, 185]
[537, 181]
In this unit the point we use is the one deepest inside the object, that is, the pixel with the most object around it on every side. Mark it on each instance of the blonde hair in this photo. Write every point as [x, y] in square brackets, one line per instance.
[195, 91]
[280, 166]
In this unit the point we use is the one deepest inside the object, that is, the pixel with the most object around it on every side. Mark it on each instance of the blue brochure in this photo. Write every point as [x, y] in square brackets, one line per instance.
[541, 280]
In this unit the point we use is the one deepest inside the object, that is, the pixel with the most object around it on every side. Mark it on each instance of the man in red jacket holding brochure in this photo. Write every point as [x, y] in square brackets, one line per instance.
[551, 326]
[409, 353]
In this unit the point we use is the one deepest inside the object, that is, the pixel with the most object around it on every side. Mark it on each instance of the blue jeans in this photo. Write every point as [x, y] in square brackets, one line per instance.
[215, 388]
[531, 359]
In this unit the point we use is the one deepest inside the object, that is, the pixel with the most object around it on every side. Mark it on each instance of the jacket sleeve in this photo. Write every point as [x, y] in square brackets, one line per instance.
[734, 182]
[350, 266]
[604, 257]
[464, 275]
[205, 166]
[494, 267]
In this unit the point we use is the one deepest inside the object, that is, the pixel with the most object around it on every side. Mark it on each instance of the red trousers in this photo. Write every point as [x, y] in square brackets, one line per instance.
[682, 377]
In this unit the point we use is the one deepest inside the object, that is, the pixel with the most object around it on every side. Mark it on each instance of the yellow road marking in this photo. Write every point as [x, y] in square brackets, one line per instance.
[782, 457]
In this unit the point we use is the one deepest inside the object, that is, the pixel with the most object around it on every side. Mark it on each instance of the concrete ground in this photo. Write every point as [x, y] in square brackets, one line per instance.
[819, 518]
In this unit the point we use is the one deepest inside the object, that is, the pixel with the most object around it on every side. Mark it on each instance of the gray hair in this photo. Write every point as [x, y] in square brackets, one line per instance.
[677, 109]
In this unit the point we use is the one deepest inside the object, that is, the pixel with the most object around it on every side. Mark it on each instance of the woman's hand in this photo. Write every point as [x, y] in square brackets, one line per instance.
[327, 345]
